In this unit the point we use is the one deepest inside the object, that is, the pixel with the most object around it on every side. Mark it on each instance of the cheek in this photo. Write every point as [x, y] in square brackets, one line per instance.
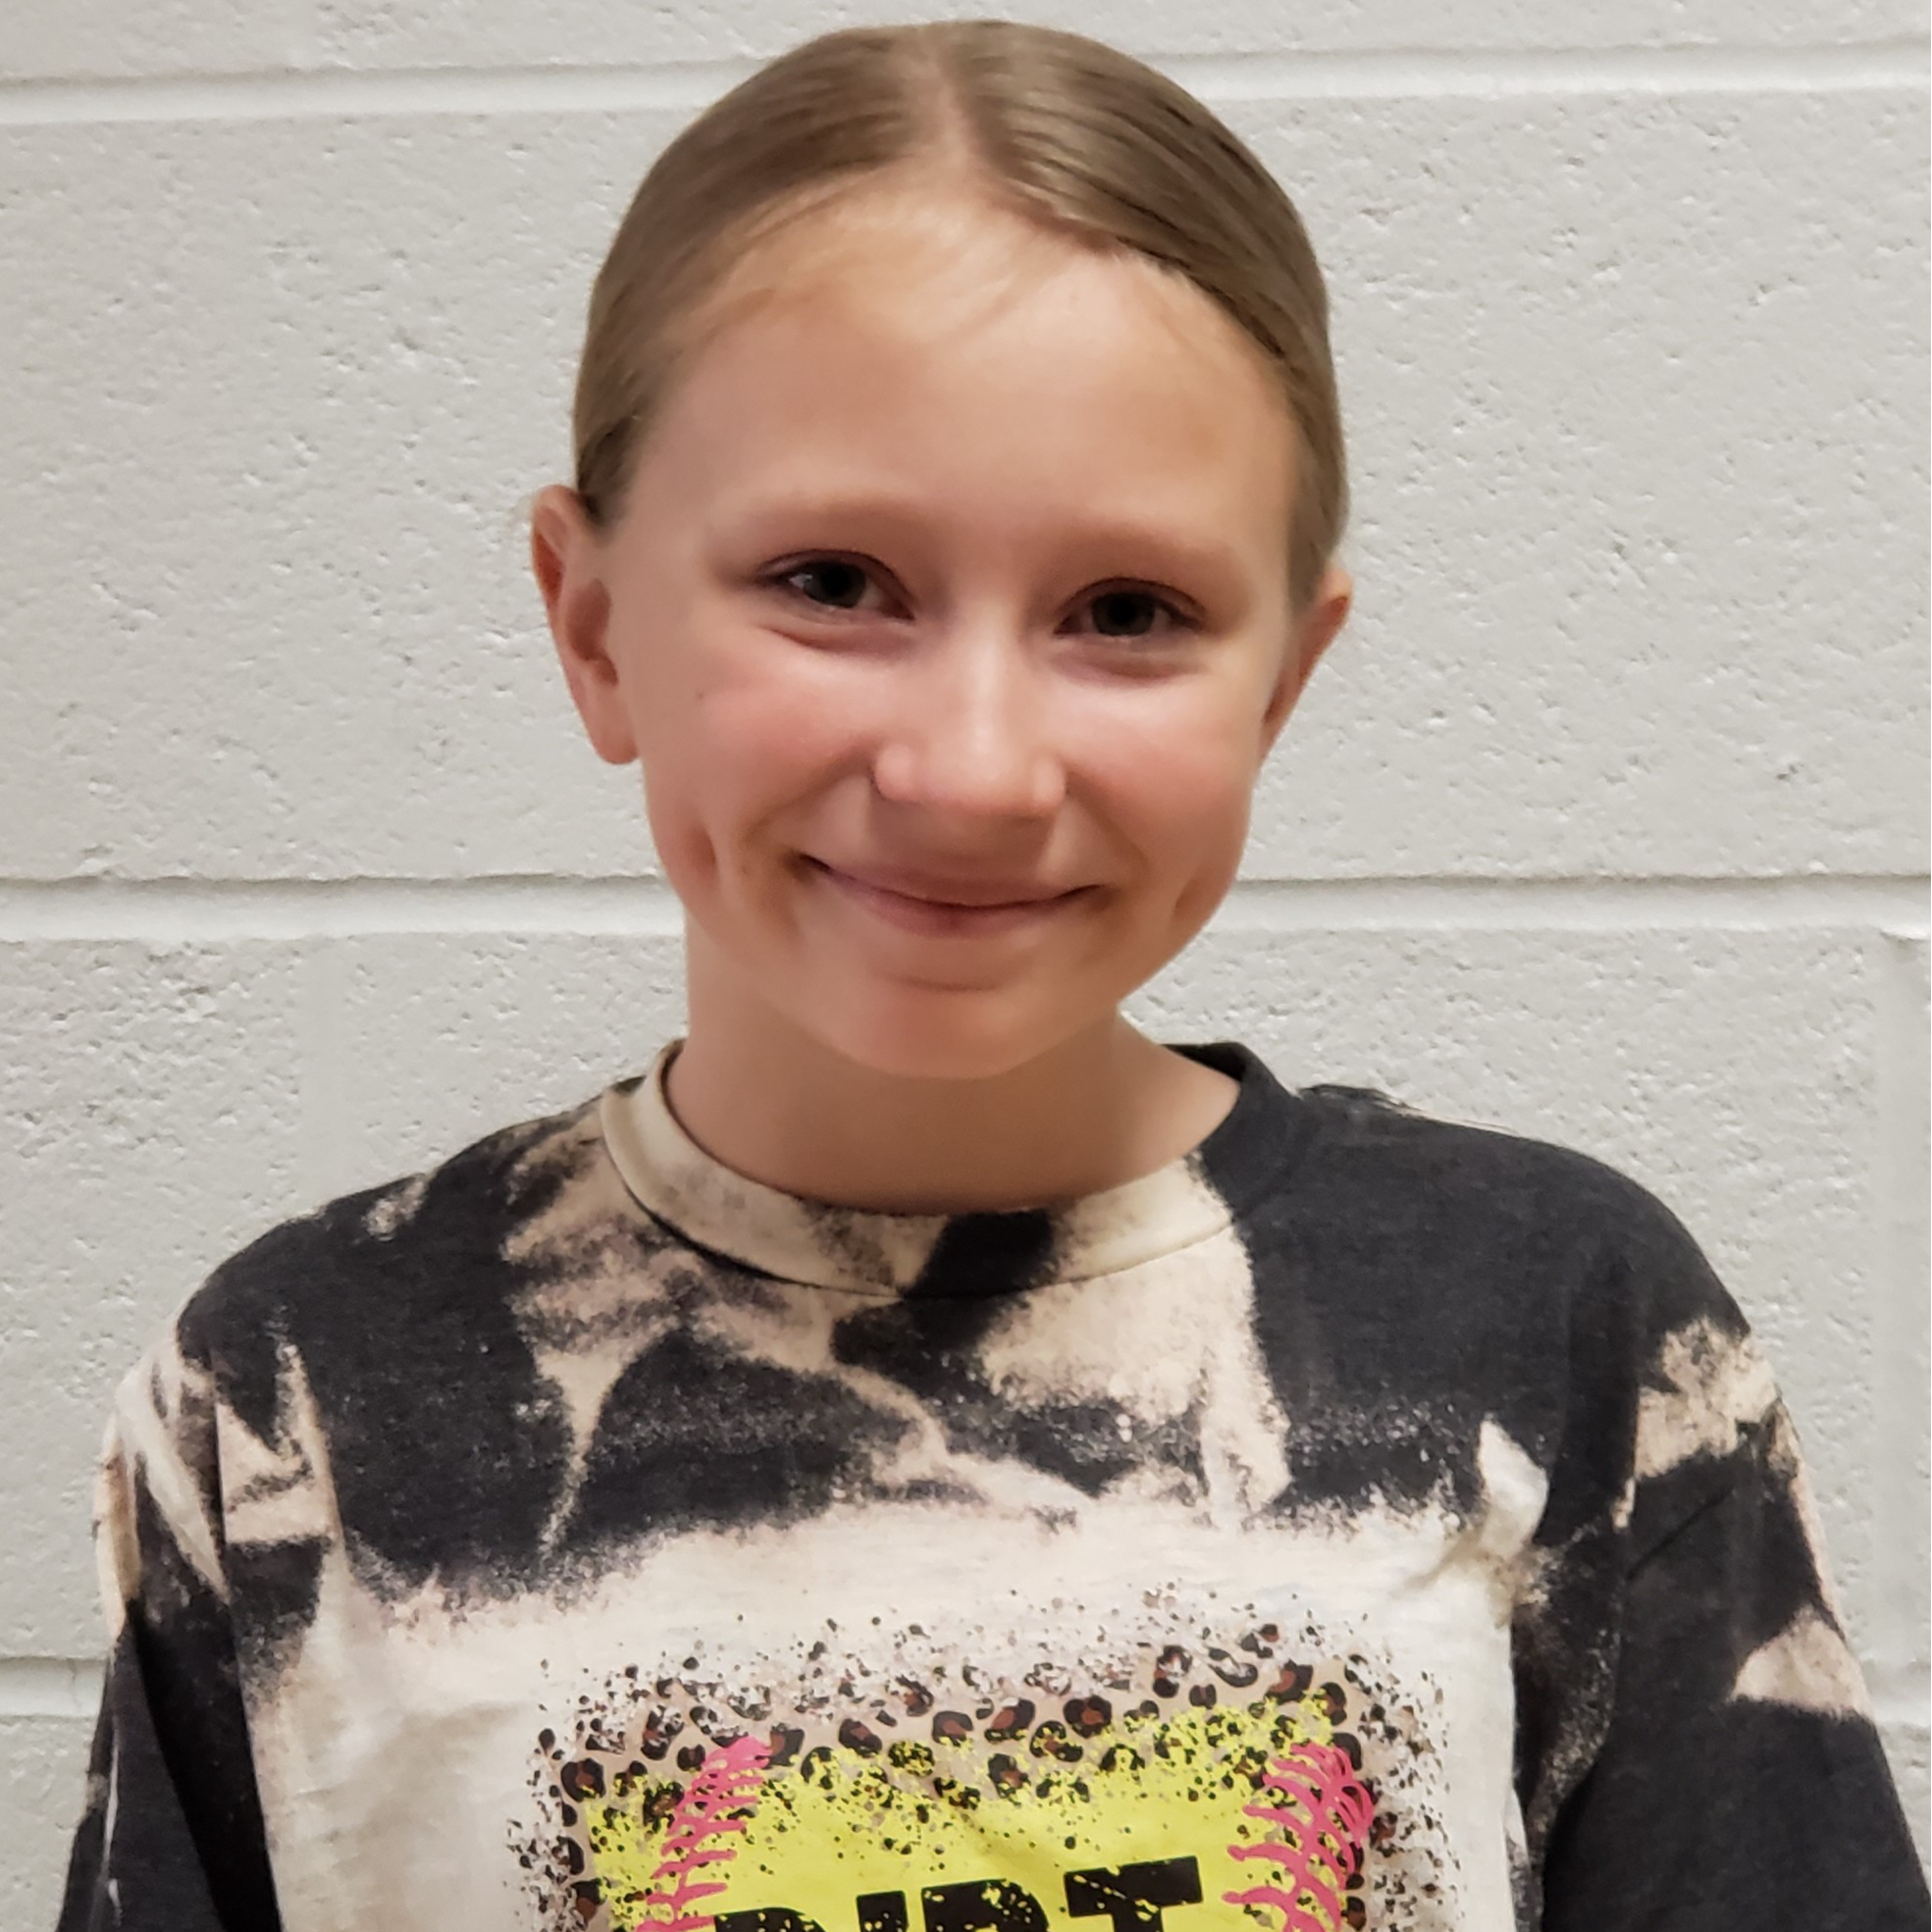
[722, 757]
[1181, 787]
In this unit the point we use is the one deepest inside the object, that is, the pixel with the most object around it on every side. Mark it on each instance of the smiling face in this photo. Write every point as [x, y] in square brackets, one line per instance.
[960, 566]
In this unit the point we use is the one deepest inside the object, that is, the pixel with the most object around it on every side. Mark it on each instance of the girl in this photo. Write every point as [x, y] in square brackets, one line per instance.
[923, 1452]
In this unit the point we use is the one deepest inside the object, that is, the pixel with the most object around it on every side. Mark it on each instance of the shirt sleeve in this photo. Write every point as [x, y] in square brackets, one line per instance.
[1738, 1777]
[170, 1835]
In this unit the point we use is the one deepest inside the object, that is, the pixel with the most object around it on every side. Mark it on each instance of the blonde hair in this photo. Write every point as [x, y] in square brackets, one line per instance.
[1076, 138]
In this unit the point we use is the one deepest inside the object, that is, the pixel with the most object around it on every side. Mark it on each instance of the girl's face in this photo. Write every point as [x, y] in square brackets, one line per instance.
[956, 573]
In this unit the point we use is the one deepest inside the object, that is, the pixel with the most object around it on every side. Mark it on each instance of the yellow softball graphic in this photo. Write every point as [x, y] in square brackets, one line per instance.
[862, 1805]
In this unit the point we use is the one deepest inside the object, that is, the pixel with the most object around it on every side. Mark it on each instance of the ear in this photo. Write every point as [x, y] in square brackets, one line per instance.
[568, 558]
[1314, 633]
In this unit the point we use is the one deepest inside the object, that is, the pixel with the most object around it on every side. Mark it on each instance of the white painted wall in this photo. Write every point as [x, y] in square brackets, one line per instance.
[1605, 821]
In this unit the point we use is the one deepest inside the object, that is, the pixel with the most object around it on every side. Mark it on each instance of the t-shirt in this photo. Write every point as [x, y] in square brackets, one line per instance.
[1365, 1520]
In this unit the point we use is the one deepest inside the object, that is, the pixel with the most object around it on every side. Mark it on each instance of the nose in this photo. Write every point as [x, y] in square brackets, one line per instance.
[966, 726]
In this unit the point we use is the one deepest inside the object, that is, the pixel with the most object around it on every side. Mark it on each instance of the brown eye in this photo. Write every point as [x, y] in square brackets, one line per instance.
[1123, 613]
[844, 578]
[1121, 607]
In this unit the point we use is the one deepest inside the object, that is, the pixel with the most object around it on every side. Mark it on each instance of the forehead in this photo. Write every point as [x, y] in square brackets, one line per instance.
[965, 351]
[940, 270]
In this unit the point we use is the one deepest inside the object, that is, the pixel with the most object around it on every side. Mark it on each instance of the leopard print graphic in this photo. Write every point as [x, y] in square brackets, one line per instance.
[1291, 1782]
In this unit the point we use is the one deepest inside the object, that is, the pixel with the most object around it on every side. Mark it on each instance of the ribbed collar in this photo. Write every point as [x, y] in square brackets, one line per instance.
[865, 1251]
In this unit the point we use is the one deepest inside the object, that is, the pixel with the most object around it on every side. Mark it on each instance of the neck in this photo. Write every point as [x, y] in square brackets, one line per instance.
[781, 1108]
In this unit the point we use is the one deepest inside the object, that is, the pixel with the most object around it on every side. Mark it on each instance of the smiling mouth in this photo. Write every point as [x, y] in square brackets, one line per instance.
[943, 918]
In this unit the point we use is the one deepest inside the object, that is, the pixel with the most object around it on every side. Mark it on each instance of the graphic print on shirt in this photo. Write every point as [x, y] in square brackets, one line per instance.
[1240, 1771]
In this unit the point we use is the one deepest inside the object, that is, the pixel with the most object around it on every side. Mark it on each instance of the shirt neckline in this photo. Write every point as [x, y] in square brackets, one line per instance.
[868, 1251]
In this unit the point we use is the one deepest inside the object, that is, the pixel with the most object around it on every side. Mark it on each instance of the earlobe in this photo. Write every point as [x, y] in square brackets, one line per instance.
[566, 557]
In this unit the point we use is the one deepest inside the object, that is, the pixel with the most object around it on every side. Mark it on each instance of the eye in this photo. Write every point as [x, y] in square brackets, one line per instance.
[1118, 604]
[1127, 613]
[843, 575]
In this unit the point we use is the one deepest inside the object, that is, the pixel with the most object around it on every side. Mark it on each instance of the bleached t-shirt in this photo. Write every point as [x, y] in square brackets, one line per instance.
[1367, 1520]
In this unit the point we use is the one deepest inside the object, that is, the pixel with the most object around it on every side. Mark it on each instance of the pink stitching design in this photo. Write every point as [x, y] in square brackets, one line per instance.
[728, 1779]
[1325, 1811]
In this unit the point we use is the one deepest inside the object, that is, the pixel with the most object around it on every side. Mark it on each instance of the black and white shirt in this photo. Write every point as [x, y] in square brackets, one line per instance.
[1367, 1520]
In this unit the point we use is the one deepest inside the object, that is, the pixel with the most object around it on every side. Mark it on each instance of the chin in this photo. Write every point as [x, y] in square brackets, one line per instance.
[966, 1045]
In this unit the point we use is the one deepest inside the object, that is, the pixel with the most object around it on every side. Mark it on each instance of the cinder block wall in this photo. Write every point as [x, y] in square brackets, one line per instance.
[1605, 821]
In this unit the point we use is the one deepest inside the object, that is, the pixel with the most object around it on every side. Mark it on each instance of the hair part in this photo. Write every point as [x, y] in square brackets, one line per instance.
[1081, 143]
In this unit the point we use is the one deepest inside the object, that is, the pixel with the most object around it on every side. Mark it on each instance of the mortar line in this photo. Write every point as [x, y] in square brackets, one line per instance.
[50, 1687]
[189, 912]
[1897, 63]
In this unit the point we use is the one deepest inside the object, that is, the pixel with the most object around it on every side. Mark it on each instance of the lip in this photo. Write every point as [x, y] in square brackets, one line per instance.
[946, 918]
[967, 894]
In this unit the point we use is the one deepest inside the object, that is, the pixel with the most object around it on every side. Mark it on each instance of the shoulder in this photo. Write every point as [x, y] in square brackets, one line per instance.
[1438, 1175]
[428, 1250]
[1541, 1274]
[349, 1365]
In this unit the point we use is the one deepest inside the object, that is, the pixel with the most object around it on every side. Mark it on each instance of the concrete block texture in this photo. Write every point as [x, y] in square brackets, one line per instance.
[150, 1120]
[44, 1765]
[1636, 495]
[129, 39]
[432, 32]
[489, 1031]
[1637, 415]
[120, 38]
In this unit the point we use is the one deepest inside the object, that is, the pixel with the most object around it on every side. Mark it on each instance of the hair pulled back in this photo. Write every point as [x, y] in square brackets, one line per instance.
[1074, 136]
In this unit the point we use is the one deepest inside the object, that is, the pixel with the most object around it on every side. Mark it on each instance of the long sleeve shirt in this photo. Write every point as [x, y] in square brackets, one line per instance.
[1367, 1520]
